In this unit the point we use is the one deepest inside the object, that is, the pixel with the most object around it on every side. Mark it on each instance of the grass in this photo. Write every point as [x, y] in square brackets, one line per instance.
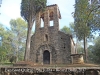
[6, 64]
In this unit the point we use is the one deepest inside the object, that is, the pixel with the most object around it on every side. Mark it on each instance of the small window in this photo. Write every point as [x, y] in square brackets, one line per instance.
[46, 37]
[64, 46]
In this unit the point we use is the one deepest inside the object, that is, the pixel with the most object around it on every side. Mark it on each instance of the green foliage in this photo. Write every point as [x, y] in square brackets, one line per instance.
[19, 28]
[66, 30]
[96, 50]
[82, 17]
[84, 20]
[95, 22]
[72, 26]
[4, 43]
[80, 49]
[2, 30]
[91, 55]
[3, 53]
[87, 18]
[12, 59]
[31, 8]
[12, 41]
[69, 30]
[19, 32]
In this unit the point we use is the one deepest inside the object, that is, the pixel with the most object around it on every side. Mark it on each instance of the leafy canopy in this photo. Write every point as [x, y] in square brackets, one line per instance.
[31, 8]
[82, 17]
[66, 30]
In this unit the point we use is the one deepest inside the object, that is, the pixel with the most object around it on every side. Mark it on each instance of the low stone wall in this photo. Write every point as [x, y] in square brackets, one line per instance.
[50, 71]
[77, 58]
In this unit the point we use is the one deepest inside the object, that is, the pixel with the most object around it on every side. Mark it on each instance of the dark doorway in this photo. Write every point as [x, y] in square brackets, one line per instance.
[46, 57]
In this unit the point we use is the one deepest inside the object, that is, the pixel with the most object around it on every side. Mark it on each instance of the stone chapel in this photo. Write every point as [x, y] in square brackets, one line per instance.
[48, 44]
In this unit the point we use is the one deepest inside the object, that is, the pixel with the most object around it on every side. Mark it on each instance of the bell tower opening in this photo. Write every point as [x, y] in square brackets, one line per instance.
[46, 57]
[42, 23]
[51, 18]
[42, 20]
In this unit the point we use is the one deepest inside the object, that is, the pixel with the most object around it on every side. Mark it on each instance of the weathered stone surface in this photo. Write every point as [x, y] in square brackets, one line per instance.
[77, 59]
[48, 44]
[51, 71]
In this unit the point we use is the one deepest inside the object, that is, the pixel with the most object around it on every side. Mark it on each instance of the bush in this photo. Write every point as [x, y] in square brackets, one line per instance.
[12, 59]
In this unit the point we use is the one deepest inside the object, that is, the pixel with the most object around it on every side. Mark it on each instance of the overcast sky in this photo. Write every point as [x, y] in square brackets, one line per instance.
[10, 9]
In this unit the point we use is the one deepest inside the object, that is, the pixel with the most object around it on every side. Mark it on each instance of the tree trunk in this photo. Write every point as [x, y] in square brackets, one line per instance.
[17, 49]
[85, 48]
[76, 46]
[27, 49]
[17, 54]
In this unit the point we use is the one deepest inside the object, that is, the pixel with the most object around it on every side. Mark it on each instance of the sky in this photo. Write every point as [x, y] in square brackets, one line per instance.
[10, 9]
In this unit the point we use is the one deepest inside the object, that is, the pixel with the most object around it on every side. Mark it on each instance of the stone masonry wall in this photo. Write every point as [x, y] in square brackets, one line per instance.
[65, 47]
[50, 38]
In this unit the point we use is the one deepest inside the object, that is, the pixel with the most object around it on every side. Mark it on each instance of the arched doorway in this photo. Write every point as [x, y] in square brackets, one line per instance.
[46, 57]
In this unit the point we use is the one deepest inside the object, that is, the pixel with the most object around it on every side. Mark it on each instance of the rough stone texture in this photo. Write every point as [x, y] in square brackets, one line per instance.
[77, 59]
[49, 38]
[50, 71]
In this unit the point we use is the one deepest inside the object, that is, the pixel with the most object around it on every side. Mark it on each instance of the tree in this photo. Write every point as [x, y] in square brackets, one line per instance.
[5, 43]
[72, 29]
[87, 18]
[83, 16]
[95, 51]
[29, 9]
[3, 53]
[95, 10]
[12, 41]
[12, 59]
[80, 49]
[66, 30]
[91, 55]
[18, 31]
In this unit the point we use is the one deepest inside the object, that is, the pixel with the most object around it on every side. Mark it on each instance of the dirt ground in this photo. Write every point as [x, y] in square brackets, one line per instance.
[31, 64]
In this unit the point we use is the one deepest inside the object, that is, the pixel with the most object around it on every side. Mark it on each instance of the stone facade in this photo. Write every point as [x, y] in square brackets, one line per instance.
[77, 59]
[48, 44]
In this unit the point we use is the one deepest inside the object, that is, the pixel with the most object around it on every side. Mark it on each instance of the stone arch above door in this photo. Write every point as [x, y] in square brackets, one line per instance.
[40, 51]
